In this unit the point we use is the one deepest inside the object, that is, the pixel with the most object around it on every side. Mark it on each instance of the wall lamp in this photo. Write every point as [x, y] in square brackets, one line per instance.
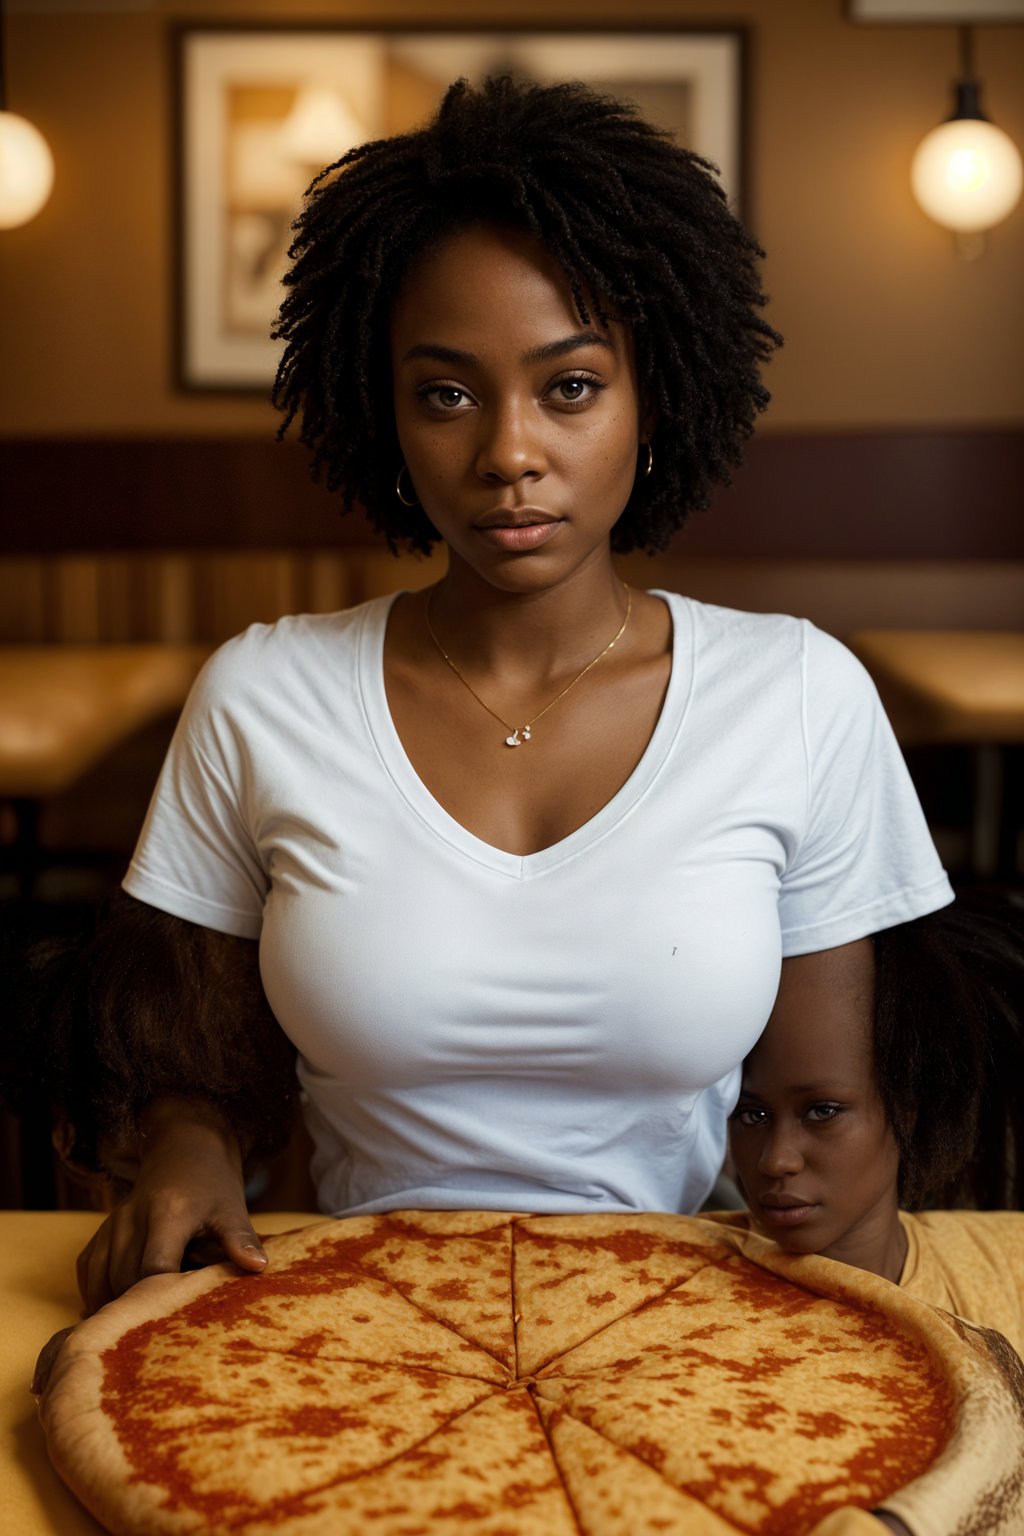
[967, 173]
[26, 164]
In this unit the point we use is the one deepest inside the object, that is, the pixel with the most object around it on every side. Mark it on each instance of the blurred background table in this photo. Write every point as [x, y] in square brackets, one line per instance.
[962, 687]
[65, 707]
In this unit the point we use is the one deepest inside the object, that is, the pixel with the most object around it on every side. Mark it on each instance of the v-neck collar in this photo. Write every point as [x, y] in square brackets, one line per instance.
[420, 800]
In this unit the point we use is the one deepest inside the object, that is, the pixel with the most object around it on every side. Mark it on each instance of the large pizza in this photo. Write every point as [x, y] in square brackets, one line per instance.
[429, 1372]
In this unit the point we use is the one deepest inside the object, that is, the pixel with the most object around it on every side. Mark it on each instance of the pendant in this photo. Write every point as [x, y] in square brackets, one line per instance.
[518, 737]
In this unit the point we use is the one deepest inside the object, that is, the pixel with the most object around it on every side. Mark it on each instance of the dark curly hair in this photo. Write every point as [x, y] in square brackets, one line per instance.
[101, 1025]
[949, 1051]
[640, 227]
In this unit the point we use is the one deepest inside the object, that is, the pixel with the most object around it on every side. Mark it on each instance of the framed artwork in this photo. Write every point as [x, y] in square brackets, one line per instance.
[260, 109]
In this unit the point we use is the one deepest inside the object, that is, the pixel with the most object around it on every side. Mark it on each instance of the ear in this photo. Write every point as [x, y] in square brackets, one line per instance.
[63, 1138]
[648, 424]
[65, 1144]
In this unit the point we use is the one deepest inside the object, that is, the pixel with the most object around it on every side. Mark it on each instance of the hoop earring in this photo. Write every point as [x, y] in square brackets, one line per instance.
[398, 488]
[650, 461]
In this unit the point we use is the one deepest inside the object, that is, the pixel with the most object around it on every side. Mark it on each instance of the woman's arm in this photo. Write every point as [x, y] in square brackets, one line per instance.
[175, 1077]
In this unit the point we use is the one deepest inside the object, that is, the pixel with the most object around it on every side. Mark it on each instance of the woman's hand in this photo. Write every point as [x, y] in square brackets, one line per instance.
[189, 1187]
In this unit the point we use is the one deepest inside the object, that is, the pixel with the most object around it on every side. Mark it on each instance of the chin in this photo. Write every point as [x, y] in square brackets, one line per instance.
[796, 1242]
[793, 1243]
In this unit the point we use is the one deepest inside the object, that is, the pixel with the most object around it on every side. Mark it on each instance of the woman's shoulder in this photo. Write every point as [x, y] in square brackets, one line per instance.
[295, 632]
[982, 1249]
[770, 642]
[972, 1263]
[268, 655]
[996, 1234]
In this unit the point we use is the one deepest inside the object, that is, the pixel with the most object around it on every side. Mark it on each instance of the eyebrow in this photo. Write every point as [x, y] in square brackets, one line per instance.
[833, 1089]
[551, 349]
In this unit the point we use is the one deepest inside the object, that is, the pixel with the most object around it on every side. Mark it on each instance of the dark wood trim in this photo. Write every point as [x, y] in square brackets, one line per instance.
[873, 495]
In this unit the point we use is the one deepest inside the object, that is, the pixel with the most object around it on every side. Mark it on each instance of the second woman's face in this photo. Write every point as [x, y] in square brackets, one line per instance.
[815, 1158]
[519, 424]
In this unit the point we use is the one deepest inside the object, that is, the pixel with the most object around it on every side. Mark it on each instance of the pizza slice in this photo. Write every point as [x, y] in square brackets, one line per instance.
[614, 1494]
[572, 1280]
[454, 1266]
[309, 1303]
[488, 1472]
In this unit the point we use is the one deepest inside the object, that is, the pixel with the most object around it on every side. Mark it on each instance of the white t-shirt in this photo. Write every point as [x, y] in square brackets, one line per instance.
[553, 1032]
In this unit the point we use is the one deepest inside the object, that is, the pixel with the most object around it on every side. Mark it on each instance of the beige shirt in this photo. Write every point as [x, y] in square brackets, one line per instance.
[970, 1263]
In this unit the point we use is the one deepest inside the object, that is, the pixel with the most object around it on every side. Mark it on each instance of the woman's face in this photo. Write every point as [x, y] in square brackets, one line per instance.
[519, 425]
[815, 1158]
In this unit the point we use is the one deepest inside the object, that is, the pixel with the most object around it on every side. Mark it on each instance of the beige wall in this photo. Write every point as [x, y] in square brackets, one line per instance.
[884, 324]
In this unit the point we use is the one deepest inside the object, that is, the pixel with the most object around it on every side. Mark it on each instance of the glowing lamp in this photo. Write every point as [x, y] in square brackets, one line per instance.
[967, 173]
[26, 170]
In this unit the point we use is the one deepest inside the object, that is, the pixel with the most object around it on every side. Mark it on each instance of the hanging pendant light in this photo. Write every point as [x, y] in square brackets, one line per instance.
[26, 170]
[26, 164]
[967, 173]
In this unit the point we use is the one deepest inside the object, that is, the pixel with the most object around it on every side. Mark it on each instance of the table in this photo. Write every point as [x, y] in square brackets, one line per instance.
[63, 708]
[963, 687]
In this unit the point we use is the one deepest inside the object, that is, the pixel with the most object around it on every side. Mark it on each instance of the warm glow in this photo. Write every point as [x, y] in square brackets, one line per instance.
[320, 128]
[966, 171]
[967, 174]
[26, 170]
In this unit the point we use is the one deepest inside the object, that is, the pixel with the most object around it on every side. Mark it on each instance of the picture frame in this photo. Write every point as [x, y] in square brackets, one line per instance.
[933, 12]
[257, 106]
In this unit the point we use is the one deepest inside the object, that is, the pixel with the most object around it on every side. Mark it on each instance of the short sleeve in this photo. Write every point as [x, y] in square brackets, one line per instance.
[196, 856]
[865, 860]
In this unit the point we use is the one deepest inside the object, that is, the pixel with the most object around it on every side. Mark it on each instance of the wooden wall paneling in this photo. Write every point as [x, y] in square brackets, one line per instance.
[327, 582]
[23, 600]
[841, 596]
[235, 588]
[171, 582]
[376, 572]
[76, 597]
[136, 597]
[121, 595]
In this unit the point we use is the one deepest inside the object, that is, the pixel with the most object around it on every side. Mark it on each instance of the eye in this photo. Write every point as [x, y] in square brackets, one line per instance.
[821, 1114]
[749, 1115]
[575, 390]
[445, 399]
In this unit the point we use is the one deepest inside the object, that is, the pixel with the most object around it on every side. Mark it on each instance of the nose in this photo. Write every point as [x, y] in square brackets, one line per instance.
[780, 1155]
[510, 446]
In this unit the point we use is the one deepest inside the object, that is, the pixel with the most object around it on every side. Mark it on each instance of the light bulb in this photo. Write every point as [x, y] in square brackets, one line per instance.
[967, 174]
[26, 170]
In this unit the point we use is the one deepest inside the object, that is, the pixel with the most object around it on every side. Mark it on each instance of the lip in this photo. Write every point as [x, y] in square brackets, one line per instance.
[515, 517]
[785, 1210]
[517, 528]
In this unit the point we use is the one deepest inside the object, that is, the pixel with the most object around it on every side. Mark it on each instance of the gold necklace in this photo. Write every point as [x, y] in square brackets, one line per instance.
[522, 733]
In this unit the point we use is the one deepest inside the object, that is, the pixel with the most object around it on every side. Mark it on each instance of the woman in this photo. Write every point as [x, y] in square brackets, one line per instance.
[521, 854]
[899, 1088]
